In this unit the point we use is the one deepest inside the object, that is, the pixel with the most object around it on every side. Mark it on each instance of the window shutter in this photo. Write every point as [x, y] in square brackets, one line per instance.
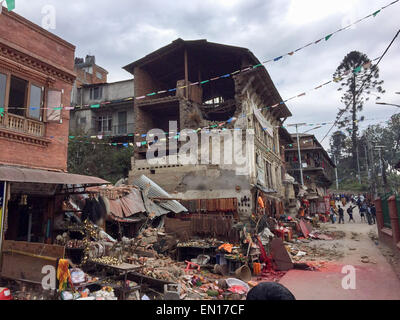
[53, 101]
[35, 102]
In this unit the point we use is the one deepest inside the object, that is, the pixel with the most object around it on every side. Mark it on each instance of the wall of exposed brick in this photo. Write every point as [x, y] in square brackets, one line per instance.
[20, 31]
[54, 51]
[83, 77]
[145, 83]
[52, 157]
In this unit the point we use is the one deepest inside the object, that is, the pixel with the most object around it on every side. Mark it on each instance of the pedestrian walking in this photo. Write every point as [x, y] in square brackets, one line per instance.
[373, 213]
[363, 211]
[359, 203]
[341, 215]
[350, 213]
[332, 215]
[369, 215]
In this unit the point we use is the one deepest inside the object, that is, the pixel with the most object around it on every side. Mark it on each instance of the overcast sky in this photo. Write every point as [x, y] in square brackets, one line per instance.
[121, 31]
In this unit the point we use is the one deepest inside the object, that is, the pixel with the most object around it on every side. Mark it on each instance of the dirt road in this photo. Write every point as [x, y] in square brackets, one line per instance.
[375, 278]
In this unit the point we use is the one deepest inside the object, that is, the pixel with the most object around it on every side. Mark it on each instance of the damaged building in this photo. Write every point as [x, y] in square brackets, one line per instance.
[207, 92]
[317, 170]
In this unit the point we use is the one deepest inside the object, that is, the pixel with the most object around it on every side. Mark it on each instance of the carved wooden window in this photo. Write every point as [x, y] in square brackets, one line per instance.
[54, 105]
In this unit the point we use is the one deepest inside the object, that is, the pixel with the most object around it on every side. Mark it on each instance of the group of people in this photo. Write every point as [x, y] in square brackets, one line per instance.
[366, 208]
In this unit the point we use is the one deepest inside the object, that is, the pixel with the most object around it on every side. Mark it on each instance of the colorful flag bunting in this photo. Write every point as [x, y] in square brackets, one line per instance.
[376, 12]
[10, 5]
[367, 65]
[357, 70]
[328, 37]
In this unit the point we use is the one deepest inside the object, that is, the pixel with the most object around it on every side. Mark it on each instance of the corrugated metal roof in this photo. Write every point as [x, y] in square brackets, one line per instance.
[155, 191]
[17, 174]
[153, 209]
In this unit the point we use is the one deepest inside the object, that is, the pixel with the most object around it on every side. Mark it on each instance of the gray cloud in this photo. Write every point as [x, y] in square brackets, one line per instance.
[119, 32]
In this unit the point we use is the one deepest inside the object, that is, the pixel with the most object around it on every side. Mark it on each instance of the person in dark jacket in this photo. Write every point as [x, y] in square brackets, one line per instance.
[369, 214]
[270, 291]
[363, 211]
[341, 215]
[373, 213]
[350, 213]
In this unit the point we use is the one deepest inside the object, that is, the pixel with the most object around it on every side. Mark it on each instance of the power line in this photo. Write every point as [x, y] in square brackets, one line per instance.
[362, 85]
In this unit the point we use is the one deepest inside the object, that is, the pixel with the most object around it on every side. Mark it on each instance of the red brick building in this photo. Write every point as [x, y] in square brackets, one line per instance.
[36, 79]
[88, 72]
[36, 72]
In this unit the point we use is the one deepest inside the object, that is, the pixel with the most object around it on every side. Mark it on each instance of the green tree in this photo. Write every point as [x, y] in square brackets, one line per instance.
[99, 158]
[388, 137]
[337, 144]
[358, 87]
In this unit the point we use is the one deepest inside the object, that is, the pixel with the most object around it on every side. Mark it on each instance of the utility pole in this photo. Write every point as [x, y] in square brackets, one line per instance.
[366, 162]
[336, 173]
[374, 188]
[297, 125]
[382, 166]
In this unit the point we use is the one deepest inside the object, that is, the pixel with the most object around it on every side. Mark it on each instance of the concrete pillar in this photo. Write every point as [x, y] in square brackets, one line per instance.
[394, 220]
[379, 214]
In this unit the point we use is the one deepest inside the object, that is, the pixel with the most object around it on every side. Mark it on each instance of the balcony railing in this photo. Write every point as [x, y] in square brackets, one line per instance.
[116, 131]
[23, 125]
[317, 165]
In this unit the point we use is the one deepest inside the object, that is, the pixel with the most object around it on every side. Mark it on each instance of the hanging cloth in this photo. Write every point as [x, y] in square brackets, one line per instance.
[261, 203]
[63, 274]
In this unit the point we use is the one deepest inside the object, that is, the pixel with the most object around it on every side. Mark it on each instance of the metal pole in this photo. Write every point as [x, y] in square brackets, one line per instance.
[383, 169]
[300, 161]
[336, 173]
[373, 169]
[380, 161]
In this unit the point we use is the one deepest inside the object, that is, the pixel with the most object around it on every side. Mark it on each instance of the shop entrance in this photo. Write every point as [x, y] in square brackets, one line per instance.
[26, 218]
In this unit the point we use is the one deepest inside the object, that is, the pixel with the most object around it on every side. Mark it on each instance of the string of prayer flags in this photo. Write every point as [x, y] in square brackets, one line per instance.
[10, 5]
[357, 70]
[376, 12]
[231, 120]
[327, 37]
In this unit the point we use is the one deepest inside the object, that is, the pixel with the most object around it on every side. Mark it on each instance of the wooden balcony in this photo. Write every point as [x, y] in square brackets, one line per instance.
[22, 125]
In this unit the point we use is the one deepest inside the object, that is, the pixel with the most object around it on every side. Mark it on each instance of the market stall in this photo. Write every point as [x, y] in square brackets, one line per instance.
[32, 202]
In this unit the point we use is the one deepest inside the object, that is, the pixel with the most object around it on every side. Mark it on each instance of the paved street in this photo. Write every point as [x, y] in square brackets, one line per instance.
[375, 277]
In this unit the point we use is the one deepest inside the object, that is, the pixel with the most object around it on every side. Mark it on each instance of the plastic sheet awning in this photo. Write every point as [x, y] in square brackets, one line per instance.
[26, 175]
